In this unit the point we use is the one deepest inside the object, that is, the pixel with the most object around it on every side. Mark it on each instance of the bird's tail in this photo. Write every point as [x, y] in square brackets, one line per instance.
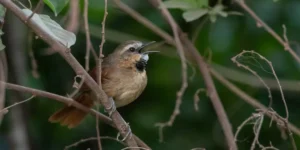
[71, 116]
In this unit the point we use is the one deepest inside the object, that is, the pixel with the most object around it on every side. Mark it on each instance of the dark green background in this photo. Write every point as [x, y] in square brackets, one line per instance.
[225, 38]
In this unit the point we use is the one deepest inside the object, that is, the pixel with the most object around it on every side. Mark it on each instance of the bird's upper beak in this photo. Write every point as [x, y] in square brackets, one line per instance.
[145, 45]
[145, 56]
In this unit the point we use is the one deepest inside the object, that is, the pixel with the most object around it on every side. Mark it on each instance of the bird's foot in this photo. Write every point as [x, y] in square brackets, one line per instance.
[127, 135]
[112, 108]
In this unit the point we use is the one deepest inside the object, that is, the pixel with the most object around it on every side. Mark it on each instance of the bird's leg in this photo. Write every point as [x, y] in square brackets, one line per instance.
[112, 108]
[128, 134]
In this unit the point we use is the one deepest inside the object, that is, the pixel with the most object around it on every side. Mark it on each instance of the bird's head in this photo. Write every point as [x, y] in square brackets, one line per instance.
[132, 54]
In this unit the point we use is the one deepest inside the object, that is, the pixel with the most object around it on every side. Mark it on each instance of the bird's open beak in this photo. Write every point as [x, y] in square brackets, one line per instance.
[145, 45]
[145, 56]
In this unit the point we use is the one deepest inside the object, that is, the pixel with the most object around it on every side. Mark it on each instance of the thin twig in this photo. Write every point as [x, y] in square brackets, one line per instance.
[77, 85]
[72, 24]
[3, 77]
[5, 110]
[184, 79]
[212, 93]
[100, 63]
[234, 60]
[242, 125]
[197, 99]
[34, 65]
[199, 28]
[256, 129]
[92, 139]
[273, 72]
[87, 35]
[102, 43]
[98, 131]
[255, 103]
[283, 42]
[67, 55]
[135, 148]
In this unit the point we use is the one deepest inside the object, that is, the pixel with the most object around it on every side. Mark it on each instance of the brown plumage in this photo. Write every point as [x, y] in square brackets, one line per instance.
[123, 78]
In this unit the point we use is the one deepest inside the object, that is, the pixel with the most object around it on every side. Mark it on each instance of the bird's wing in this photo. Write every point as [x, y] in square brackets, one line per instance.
[107, 77]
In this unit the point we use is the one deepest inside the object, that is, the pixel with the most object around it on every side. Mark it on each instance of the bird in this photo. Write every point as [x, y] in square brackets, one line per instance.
[123, 78]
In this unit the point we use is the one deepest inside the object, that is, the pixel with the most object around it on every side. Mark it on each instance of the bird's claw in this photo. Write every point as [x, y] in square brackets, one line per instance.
[128, 134]
[111, 109]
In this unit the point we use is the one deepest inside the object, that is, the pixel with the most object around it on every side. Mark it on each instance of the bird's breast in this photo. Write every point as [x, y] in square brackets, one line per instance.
[125, 86]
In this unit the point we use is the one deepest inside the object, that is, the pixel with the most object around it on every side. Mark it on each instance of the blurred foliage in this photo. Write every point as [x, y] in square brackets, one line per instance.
[56, 5]
[225, 38]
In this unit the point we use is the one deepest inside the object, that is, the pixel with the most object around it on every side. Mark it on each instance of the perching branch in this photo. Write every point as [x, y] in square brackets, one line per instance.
[66, 54]
[68, 101]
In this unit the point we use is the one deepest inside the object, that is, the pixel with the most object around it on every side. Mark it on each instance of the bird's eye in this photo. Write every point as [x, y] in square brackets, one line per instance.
[132, 49]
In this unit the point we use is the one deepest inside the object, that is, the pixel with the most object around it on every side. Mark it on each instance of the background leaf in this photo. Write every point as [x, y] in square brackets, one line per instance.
[2, 15]
[202, 3]
[192, 15]
[54, 29]
[56, 5]
[2, 46]
[178, 4]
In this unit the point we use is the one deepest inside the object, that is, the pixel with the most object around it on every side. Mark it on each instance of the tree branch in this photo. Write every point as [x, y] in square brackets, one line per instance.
[244, 96]
[3, 77]
[211, 89]
[66, 54]
[184, 84]
[284, 42]
[67, 101]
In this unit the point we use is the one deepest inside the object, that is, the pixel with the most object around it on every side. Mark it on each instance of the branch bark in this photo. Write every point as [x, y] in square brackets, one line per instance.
[66, 54]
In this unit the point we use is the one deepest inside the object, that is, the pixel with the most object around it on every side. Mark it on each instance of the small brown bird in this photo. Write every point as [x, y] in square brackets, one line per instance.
[123, 78]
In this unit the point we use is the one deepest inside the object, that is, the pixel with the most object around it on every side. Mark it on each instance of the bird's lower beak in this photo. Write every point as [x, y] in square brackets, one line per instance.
[145, 55]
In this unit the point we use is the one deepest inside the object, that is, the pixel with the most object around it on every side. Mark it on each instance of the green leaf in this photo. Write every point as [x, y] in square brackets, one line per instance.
[213, 18]
[178, 4]
[192, 15]
[217, 9]
[56, 5]
[202, 3]
[223, 13]
[2, 46]
[52, 28]
[2, 11]
[2, 15]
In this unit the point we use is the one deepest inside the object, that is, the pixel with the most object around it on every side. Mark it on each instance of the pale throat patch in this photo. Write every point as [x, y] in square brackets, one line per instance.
[145, 57]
